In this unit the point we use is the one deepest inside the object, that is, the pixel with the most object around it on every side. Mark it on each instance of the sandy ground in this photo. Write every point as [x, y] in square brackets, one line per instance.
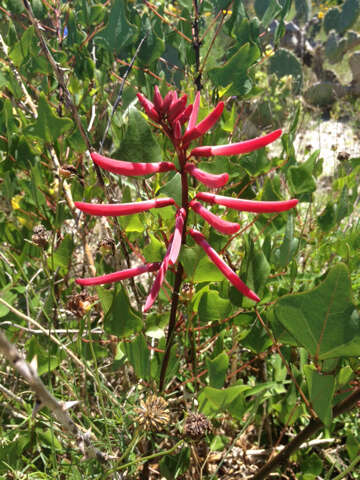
[330, 137]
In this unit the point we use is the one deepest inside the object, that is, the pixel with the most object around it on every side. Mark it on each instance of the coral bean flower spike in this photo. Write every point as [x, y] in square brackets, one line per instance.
[179, 122]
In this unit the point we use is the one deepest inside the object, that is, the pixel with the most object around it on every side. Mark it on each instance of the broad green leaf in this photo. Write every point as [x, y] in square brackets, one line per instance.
[46, 362]
[323, 320]
[327, 218]
[48, 126]
[301, 179]
[21, 49]
[234, 71]
[138, 355]
[154, 250]
[119, 319]
[198, 266]
[213, 401]
[213, 308]
[118, 32]
[217, 368]
[257, 339]
[311, 467]
[138, 143]
[8, 296]
[321, 391]
[271, 11]
[173, 188]
[153, 46]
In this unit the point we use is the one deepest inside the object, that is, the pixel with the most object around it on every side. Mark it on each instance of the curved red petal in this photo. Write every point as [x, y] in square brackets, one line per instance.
[130, 168]
[118, 209]
[117, 276]
[209, 179]
[223, 226]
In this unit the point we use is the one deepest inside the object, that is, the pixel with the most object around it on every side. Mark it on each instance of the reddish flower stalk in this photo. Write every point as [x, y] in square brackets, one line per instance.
[131, 168]
[236, 148]
[223, 226]
[253, 206]
[117, 276]
[208, 179]
[118, 209]
[222, 266]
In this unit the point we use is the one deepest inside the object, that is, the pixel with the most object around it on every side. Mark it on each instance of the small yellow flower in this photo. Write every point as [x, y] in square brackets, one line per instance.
[15, 202]
[321, 15]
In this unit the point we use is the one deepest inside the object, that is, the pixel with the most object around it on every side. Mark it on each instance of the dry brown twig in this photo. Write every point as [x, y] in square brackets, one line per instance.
[58, 409]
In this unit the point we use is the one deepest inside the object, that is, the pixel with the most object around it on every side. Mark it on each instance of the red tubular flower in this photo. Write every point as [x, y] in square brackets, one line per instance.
[130, 168]
[184, 117]
[236, 148]
[223, 226]
[118, 209]
[160, 277]
[253, 206]
[222, 266]
[208, 179]
[116, 276]
[167, 101]
[205, 125]
[177, 237]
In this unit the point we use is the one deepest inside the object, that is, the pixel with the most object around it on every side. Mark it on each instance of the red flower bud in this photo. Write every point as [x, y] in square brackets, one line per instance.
[222, 266]
[118, 209]
[223, 226]
[116, 276]
[131, 168]
[184, 116]
[194, 113]
[236, 148]
[176, 108]
[158, 101]
[167, 101]
[177, 237]
[148, 107]
[205, 125]
[160, 277]
[209, 179]
[253, 206]
[177, 130]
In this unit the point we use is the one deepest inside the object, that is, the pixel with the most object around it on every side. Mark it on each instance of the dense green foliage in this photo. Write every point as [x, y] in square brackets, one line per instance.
[69, 74]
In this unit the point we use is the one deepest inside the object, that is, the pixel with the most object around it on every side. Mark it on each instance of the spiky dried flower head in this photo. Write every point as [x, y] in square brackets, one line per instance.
[153, 413]
[40, 236]
[80, 303]
[196, 426]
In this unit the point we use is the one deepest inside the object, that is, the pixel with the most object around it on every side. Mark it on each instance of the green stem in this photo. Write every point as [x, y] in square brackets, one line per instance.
[349, 469]
[144, 459]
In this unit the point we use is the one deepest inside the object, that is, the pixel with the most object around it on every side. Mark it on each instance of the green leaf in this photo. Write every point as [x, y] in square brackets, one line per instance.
[301, 179]
[327, 218]
[138, 355]
[62, 255]
[311, 466]
[154, 250]
[323, 320]
[198, 266]
[321, 391]
[118, 32]
[234, 71]
[289, 245]
[120, 319]
[172, 188]
[172, 466]
[257, 339]
[270, 13]
[213, 308]
[138, 143]
[48, 126]
[21, 49]
[213, 401]
[217, 368]
[9, 298]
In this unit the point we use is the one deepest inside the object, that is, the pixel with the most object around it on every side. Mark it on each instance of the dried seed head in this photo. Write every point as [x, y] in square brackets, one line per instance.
[196, 426]
[80, 303]
[153, 413]
[106, 246]
[40, 236]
